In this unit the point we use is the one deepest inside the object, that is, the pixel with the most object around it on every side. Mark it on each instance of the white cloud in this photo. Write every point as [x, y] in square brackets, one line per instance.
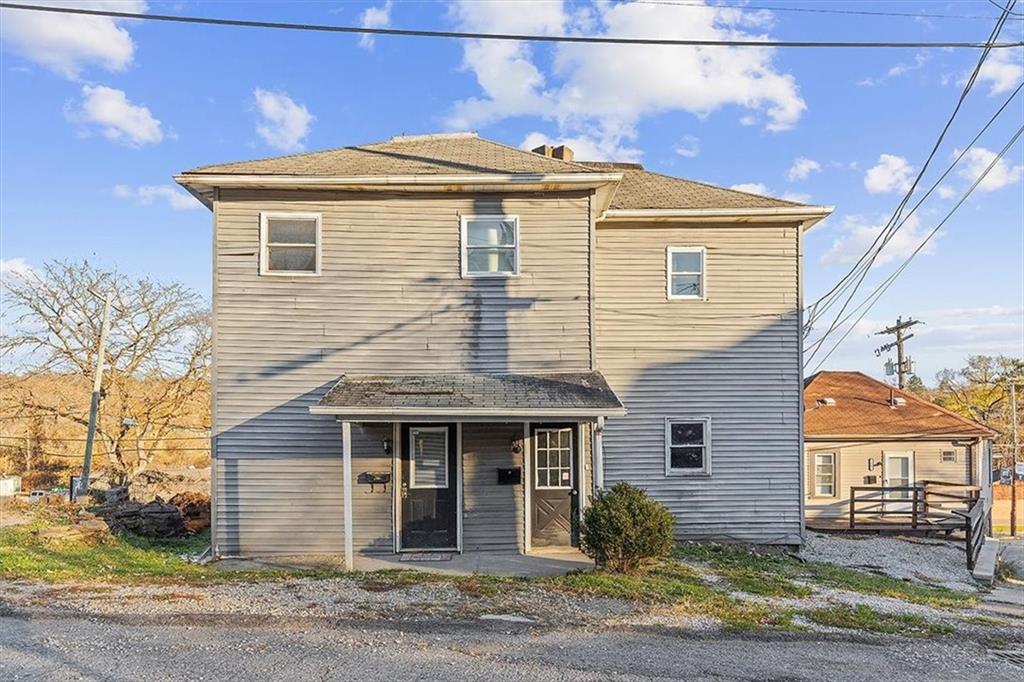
[118, 119]
[890, 174]
[67, 43]
[602, 92]
[897, 70]
[798, 197]
[374, 17]
[688, 147]
[946, 192]
[585, 148]
[751, 187]
[1003, 174]
[802, 168]
[284, 123]
[146, 195]
[858, 233]
[1003, 69]
[15, 267]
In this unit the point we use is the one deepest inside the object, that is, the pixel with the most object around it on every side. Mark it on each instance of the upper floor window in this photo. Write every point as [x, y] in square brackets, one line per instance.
[289, 243]
[687, 446]
[490, 246]
[686, 272]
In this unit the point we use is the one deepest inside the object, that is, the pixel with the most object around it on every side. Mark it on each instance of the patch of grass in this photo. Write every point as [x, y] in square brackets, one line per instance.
[775, 572]
[680, 586]
[996, 642]
[862, 617]
[983, 620]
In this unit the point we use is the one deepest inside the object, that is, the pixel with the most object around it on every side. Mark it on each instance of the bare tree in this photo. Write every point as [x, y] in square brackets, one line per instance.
[157, 354]
[979, 390]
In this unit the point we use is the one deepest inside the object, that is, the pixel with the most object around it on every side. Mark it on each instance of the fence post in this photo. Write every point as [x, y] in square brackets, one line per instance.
[853, 494]
[913, 511]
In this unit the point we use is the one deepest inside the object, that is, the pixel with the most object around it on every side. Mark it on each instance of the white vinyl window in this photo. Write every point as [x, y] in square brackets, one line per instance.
[290, 244]
[688, 446]
[553, 453]
[490, 246]
[428, 457]
[685, 273]
[825, 474]
[948, 456]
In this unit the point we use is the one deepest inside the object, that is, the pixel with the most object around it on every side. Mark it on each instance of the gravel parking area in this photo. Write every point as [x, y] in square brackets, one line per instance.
[923, 560]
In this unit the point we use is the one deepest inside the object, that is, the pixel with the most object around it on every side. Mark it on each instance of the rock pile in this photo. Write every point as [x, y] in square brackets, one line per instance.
[87, 528]
[195, 508]
[156, 519]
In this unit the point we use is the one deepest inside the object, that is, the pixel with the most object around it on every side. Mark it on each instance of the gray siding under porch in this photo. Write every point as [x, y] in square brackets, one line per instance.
[733, 358]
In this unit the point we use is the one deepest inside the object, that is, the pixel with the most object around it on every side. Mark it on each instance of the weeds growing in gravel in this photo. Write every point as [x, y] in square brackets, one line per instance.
[862, 617]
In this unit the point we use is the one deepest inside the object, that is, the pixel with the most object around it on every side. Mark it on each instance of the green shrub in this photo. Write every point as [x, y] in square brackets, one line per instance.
[623, 529]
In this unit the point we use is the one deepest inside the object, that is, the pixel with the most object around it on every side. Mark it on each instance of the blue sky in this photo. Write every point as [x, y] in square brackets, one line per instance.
[96, 116]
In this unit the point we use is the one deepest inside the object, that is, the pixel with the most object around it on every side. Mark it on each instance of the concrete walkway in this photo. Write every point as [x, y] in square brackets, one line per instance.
[1007, 597]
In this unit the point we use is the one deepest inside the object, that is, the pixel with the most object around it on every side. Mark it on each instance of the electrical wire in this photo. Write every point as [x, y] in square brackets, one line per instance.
[821, 10]
[521, 37]
[949, 169]
[863, 265]
[872, 298]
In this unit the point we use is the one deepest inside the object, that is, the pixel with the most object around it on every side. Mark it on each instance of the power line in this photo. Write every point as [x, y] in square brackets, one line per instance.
[1006, 9]
[938, 181]
[822, 10]
[872, 298]
[863, 265]
[468, 35]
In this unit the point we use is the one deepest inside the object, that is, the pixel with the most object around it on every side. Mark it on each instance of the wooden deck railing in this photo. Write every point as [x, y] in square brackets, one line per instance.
[933, 505]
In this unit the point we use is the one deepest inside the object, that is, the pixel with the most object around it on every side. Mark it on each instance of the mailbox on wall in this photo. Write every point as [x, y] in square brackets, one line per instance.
[510, 476]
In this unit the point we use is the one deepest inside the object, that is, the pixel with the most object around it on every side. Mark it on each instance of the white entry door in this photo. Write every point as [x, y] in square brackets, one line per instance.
[899, 472]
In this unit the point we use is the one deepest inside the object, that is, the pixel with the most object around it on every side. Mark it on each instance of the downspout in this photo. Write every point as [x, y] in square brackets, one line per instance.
[801, 490]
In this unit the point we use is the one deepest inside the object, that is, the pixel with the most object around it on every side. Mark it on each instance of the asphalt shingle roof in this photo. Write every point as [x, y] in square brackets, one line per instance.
[862, 408]
[642, 189]
[583, 391]
[454, 154]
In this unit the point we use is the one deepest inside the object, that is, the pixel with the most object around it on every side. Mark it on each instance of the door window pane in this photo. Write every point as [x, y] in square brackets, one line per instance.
[428, 457]
[553, 458]
[824, 474]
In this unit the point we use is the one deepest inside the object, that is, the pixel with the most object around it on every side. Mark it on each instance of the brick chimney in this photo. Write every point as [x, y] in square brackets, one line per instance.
[560, 152]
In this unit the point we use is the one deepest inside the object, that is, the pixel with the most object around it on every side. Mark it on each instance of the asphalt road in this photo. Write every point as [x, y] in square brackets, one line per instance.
[211, 648]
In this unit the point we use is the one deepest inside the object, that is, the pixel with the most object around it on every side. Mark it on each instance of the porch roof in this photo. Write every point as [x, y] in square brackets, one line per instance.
[561, 394]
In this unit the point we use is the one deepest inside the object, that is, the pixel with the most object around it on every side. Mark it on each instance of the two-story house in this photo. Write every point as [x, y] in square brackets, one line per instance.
[444, 343]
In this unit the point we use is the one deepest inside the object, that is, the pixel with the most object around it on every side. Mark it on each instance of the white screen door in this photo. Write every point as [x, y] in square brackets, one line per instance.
[899, 472]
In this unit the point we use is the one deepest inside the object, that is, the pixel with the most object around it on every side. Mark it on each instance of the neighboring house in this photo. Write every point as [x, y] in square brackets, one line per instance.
[859, 431]
[499, 333]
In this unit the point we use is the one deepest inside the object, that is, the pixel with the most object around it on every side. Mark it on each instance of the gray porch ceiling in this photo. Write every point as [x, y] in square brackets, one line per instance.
[561, 394]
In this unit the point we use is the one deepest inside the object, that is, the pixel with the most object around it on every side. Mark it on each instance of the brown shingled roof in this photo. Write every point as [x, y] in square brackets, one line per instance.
[862, 408]
[642, 189]
[445, 154]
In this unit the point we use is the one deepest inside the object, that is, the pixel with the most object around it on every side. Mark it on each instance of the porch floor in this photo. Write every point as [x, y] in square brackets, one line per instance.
[537, 563]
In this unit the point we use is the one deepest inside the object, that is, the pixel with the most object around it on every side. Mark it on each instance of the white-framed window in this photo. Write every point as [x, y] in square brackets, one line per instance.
[948, 456]
[685, 272]
[825, 474]
[428, 457]
[553, 456]
[290, 244]
[688, 446]
[490, 246]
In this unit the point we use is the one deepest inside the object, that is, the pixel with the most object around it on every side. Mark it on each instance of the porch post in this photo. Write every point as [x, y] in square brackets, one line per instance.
[346, 468]
[599, 454]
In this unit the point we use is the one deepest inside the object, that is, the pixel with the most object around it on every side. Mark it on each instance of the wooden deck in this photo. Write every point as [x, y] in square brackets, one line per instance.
[929, 508]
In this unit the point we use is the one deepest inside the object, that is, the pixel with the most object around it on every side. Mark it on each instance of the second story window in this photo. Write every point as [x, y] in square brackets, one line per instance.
[490, 246]
[685, 272]
[289, 243]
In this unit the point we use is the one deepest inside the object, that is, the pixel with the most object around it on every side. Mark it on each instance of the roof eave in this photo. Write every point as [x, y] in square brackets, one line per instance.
[455, 412]
[896, 436]
[807, 216]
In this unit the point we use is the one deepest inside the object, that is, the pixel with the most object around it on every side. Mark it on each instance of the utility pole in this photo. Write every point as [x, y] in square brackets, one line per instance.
[97, 384]
[903, 362]
[1013, 458]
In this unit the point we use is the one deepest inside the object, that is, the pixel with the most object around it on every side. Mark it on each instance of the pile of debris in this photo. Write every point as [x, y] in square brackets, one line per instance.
[183, 514]
[87, 528]
[153, 483]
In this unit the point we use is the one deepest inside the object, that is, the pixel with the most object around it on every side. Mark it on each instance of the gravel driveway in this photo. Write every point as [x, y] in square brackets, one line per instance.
[231, 648]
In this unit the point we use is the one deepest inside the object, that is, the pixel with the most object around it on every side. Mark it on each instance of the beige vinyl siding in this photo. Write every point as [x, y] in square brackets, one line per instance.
[389, 299]
[732, 357]
[372, 506]
[852, 469]
[492, 516]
